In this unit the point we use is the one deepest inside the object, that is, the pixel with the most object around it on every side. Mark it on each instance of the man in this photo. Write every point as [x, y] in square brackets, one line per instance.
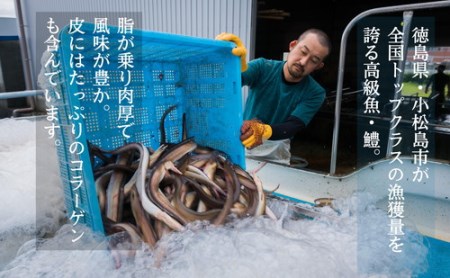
[283, 97]
[440, 80]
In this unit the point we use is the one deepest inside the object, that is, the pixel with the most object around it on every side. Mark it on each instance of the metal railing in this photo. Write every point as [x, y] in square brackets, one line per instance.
[19, 94]
[29, 94]
[341, 66]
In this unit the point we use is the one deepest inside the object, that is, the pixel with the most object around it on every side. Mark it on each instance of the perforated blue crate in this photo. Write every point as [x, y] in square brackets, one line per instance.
[200, 76]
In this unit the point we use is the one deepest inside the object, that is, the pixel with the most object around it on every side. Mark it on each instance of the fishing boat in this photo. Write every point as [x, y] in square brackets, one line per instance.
[425, 198]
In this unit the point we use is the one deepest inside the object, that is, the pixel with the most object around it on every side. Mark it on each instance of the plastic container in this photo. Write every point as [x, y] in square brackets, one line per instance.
[200, 76]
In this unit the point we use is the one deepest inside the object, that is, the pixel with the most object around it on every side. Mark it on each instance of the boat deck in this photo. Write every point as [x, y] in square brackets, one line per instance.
[427, 204]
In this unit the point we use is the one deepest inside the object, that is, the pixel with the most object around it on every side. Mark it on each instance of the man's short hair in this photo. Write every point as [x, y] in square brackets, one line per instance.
[321, 35]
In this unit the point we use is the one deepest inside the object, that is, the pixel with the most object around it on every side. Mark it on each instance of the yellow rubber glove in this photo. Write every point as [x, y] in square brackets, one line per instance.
[239, 50]
[253, 132]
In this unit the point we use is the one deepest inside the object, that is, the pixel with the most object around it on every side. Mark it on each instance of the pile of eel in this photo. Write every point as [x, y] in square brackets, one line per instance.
[148, 193]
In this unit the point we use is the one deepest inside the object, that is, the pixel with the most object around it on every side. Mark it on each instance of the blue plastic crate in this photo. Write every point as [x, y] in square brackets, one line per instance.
[200, 76]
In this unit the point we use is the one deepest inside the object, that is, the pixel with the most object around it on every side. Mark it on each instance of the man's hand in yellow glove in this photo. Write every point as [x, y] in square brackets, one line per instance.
[239, 50]
[253, 132]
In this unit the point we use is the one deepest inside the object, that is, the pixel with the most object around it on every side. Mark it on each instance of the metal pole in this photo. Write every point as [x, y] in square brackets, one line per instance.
[391, 9]
[26, 61]
[18, 94]
[24, 47]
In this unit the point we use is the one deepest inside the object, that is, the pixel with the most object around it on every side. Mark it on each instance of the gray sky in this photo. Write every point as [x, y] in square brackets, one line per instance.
[7, 8]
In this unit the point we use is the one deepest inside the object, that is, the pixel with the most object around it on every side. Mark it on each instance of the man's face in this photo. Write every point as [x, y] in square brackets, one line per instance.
[305, 57]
